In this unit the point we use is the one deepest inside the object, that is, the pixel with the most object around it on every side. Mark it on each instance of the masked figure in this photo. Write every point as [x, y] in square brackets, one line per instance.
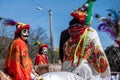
[83, 53]
[42, 58]
[18, 63]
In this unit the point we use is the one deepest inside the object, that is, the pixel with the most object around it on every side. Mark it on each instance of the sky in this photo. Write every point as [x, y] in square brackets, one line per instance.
[25, 11]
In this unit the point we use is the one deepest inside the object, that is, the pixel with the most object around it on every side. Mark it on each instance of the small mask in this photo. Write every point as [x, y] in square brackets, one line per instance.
[44, 50]
[25, 33]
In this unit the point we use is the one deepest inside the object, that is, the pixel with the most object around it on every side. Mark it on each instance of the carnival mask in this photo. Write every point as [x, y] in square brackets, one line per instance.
[25, 33]
[44, 50]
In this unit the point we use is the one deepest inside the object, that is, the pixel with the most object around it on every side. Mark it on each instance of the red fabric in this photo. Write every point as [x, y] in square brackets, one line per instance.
[18, 63]
[41, 59]
[27, 26]
[81, 16]
[75, 34]
[41, 46]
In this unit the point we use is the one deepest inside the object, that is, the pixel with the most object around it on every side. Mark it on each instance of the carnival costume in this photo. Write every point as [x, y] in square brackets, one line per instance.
[18, 63]
[41, 58]
[111, 25]
[41, 65]
[83, 53]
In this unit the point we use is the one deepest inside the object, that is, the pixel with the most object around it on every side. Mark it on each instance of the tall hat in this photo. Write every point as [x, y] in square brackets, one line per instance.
[19, 26]
[111, 23]
[84, 13]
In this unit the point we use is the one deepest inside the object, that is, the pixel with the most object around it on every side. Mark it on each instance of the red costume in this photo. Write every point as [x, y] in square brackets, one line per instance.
[18, 63]
[41, 58]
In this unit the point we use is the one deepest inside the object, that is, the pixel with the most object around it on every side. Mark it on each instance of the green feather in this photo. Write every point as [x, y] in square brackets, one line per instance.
[89, 11]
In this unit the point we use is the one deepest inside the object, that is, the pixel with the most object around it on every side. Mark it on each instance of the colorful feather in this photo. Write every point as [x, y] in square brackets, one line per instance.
[110, 23]
[36, 43]
[103, 27]
[9, 22]
[114, 13]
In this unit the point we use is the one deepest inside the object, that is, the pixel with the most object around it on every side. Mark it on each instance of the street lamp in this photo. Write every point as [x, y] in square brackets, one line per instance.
[50, 19]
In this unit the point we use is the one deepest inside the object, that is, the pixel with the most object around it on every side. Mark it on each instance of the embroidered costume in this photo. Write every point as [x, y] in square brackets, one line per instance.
[83, 53]
[18, 63]
[42, 58]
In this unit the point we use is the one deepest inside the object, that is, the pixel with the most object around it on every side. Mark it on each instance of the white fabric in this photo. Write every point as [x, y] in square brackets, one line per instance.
[33, 76]
[63, 75]
[59, 76]
[116, 77]
[84, 71]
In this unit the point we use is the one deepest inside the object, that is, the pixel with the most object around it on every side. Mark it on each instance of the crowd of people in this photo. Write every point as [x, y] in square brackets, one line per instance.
[80, 51]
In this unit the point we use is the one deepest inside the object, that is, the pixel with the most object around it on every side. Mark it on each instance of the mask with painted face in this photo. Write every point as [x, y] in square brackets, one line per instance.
[44, 50]
[24, 34]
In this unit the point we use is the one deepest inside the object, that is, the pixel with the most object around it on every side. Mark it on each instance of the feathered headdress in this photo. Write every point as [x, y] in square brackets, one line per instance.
[10, 22]
[36, 43]
[111, 23]
[39, 44]
[84, 13]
